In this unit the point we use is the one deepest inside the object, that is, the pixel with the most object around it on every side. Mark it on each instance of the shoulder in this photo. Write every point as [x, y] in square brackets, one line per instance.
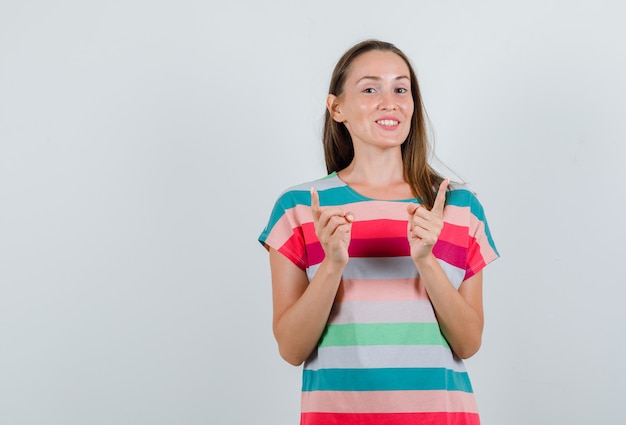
[300, 193]
[464, 202]
[330, 181]
[291, 209]
[462, 195]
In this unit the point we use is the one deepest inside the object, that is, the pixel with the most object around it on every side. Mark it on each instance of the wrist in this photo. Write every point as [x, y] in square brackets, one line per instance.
[332, 267]
[427, 261]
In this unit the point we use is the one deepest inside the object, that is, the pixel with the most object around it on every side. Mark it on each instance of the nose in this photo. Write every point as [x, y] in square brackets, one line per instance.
[387, 102]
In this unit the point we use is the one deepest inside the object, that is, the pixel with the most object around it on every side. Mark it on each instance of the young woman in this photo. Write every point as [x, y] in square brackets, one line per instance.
[377, 267]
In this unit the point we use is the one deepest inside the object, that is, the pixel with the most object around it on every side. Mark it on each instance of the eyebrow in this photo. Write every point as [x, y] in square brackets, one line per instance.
[371, 77]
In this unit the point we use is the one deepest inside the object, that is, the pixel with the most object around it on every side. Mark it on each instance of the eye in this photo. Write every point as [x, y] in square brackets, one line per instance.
[402, 90]
[369, 90]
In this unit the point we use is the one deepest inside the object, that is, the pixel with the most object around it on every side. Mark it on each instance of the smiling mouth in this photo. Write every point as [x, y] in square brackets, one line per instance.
[388, 123]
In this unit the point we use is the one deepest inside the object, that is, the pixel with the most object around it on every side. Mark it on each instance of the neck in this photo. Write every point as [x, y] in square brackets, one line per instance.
[378, 176]
[375, 168]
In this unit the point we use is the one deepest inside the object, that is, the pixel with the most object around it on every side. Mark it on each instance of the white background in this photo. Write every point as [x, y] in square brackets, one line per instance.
[143, 143]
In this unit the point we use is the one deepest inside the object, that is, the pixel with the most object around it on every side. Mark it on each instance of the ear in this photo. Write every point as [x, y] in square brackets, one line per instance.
[332, 104]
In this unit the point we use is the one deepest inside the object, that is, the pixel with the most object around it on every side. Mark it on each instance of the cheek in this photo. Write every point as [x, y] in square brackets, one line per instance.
[409, 108]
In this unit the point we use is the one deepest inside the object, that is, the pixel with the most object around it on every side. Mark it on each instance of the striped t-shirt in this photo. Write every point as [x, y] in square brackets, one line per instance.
[382, 358]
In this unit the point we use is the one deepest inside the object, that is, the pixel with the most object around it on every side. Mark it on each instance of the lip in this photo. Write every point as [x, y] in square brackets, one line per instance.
[380, 121]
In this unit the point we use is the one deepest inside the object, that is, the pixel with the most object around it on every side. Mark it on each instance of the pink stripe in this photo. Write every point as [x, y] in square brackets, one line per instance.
[383, 247]
[373, 210]
[283, 228]
[454, 234]
[370, 290]
[388, 401]
[456, 215]
[362, 211]
[292, 249]
[434, 418]
[315, 253]
[308, 229]
[475, 260]
[451, 254]
[290, 231]
[486, 251]
[381, 228]
[301, 215]
[480, 252]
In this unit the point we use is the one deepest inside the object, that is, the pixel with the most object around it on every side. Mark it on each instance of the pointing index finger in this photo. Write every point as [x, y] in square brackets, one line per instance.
[440, 200]
[315, 204]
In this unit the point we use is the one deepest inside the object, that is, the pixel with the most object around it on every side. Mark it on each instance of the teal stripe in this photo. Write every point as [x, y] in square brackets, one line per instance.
[286, 201]
[396, 379]
[292, 198]
[464, 198]
[339, 196]
[355, 334]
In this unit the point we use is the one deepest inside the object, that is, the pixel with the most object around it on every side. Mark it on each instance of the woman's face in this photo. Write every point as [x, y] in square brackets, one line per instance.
[376, 105]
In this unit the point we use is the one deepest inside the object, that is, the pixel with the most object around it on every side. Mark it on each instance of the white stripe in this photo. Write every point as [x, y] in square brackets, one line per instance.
[387, 356]
[390, 268]
[380, 268]
[455, 274]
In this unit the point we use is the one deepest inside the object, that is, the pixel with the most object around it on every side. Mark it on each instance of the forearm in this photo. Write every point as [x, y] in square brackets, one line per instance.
[299, 328]
[460, 321]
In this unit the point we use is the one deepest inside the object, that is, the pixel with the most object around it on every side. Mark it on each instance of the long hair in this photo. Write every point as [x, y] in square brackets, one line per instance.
[338, 147]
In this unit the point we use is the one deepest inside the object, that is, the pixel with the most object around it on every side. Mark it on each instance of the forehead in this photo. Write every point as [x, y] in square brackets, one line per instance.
[378, 63]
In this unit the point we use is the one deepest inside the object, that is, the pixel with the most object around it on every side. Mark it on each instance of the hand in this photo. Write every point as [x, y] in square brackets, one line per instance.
[425, 226]
[333, 228]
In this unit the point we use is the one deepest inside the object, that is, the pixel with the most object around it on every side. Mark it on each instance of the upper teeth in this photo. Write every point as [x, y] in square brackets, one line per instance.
[388, 123]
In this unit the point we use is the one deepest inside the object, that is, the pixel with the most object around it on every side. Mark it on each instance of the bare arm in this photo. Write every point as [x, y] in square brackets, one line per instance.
[301, 308]
[459, 312]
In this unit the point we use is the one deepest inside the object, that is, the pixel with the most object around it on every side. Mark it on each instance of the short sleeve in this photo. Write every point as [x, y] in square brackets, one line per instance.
[481, 247]
[284, 231]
